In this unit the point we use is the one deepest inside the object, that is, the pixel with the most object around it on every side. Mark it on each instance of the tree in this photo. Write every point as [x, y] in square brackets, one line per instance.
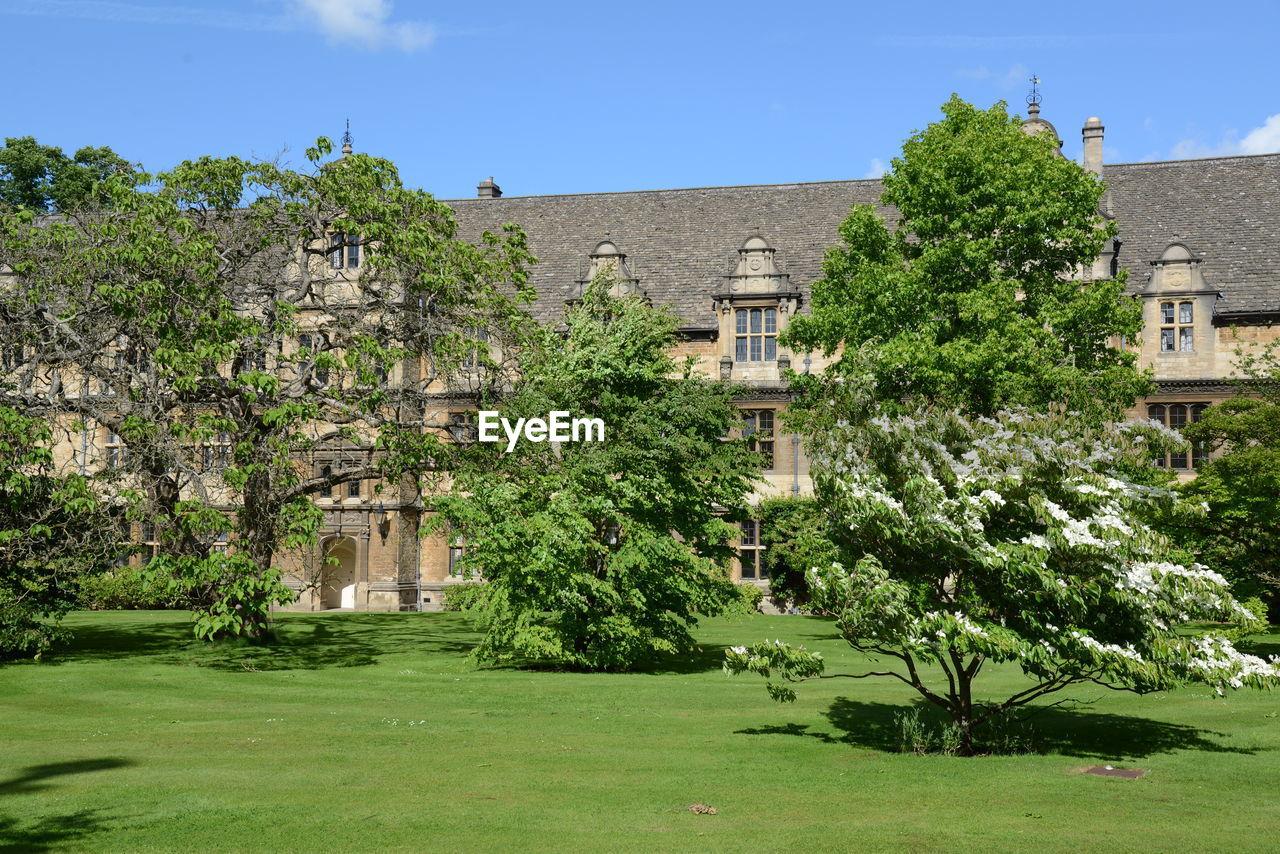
[1012, 538]
[53, 531]
[1241, 532]
[975, 298]
[796, 535]
[42, 178]
[225, 322]
[596, 554]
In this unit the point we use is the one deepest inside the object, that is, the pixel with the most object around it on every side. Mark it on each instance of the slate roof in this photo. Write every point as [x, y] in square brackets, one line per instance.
[1226, 210]
[682, 243]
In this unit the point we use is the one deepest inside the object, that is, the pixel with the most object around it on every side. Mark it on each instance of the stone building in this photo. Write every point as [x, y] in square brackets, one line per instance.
[1200, 239]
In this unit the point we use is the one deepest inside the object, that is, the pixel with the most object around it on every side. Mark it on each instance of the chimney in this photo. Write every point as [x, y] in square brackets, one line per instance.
[1093, 145]
[486, 189]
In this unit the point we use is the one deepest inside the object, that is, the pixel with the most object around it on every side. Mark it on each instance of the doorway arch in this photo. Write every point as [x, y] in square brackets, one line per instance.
[338, 577]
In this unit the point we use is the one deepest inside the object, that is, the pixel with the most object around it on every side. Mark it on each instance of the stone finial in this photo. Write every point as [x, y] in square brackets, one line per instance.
[486, 189]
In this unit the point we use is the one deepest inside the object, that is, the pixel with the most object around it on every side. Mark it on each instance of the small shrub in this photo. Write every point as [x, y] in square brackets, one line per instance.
[913, 733]
[124, 588]
[747, 602]
[1003, 735]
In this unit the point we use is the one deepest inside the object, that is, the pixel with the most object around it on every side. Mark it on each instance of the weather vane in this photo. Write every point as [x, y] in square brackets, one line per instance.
[346, 135]
[1033, 97]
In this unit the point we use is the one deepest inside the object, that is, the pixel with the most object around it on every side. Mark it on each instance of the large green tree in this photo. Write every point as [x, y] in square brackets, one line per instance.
[227, 321]
[54, 529]
[597, 554]
[42, 178]
[974, 297]
[1240, 536]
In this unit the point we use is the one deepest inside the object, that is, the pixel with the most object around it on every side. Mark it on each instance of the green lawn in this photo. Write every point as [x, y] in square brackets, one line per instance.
[371, 732]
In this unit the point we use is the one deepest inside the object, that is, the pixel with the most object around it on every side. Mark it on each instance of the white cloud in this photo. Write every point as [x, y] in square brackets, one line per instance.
[364, 24]
[1017, 75]
[1264, 139]
[361, 23]
[876, 170]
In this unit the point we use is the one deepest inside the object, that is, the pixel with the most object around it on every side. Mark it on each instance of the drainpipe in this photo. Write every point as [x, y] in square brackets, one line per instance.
[368, 529]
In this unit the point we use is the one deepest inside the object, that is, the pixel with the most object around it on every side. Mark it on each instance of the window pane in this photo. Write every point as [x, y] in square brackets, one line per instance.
[1155, 412]
[748, 423]
[1166, 340]
[742, 321]
[1187, 341]
[353, 257]
[1197, 411]
[749, 533]
[1166, 312]
[765, 419]
[740, 350]
[1177, 416]
[1184, 312]
[755, 320]
[353, 489]
[770, 320]
[770, 349]
[755, 348]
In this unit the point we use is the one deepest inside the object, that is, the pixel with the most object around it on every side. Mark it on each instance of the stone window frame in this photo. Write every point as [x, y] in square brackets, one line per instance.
[751, 550]
[348, 260]
[744, 335]
[761, 439]
[215, 452]
[1179, 323]
[1176, 415]
[115, 451]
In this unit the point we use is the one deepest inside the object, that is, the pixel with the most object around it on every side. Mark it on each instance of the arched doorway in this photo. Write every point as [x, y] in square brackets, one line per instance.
[338, 577]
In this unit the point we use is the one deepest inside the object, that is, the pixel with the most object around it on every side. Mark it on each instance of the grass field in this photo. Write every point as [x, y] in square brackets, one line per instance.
[371, 732]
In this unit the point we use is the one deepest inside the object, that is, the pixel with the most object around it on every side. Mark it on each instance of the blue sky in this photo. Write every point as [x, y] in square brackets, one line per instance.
[587, 97]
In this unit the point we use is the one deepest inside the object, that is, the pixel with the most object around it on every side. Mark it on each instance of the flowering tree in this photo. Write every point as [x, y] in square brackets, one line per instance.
[1013, 538]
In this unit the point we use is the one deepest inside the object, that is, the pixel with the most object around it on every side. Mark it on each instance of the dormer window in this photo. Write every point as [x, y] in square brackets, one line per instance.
[347, 252]
[756, 335]
[1177, 332]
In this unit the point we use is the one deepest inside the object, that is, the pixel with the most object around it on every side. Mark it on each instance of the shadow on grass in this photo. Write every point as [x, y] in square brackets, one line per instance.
[1056, 730]
[1263, 648]
[700, 659]
[301, 642]
[708, 656]
[51, 832]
